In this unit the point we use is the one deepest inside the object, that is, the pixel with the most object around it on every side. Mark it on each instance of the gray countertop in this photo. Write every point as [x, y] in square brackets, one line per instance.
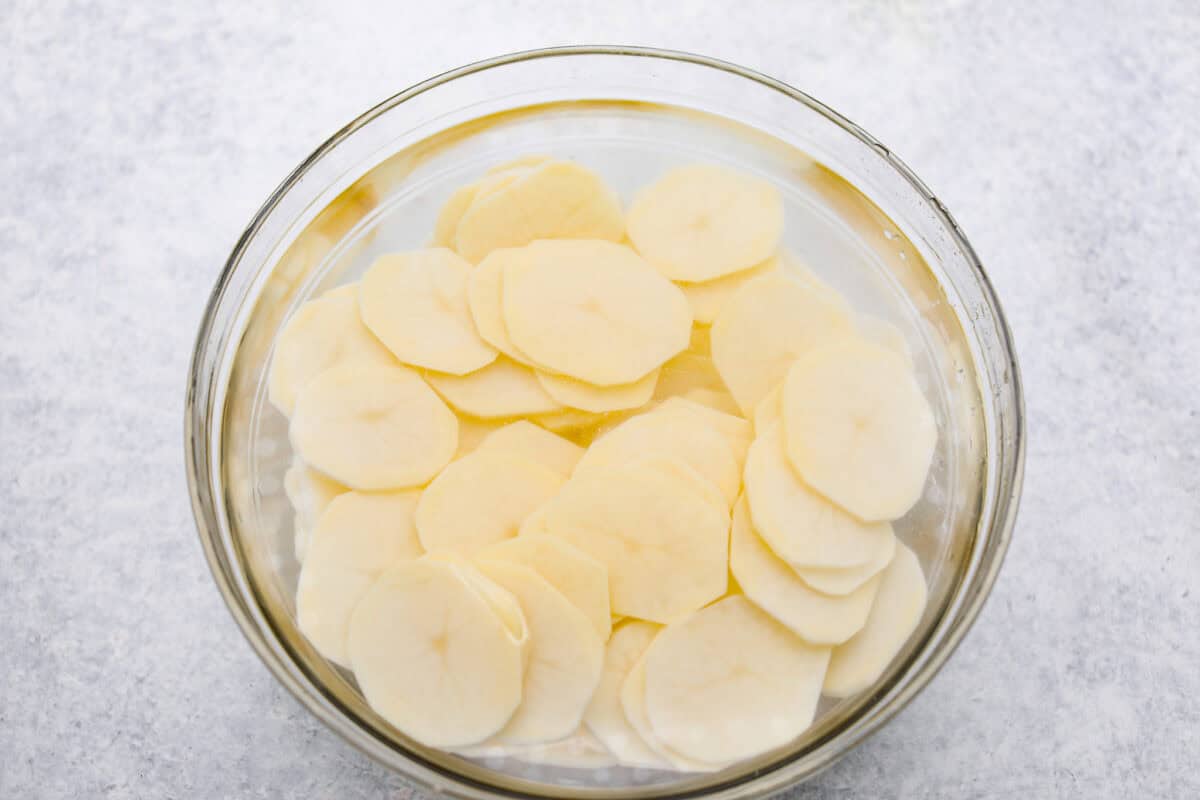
[136, 139]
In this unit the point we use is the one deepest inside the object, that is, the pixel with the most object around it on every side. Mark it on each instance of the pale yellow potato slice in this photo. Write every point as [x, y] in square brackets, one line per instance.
[446, 225]
[605, 716]
[472, 432]
[633, 704]
[480, 499]
[708, 298]
[323, 333]
[416, 304]
[894, 616]
[581, 578]
[776, 588]
[687, 372]
[534, 524]
[580, 750]
[503, 388]
[357, 537]
[432, 655]
[665, 546]
[703, 221]
[845, 581]
[310, 493]
[801, 526]
[531, 160]
[553, 200]
[729, 682]
[738, 432]
[716, 399]
[599, 399]
[373, 428]
[885, 334]
[523, 438]
[668, 434]
[858, 429]
[767, 411]
[766, 325]
[485, 288]
[566, 655]
[593, 310]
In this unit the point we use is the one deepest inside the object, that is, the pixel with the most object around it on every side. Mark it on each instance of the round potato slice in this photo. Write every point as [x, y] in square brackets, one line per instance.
[310, 493]
[738, 433]
[801, 526]
[446, 225]
[858, 428]
[433, 657]
[566, 655]
[848, 580]
[416, 303]
[729, 682]
[357, 538]
[716, 399]
[485, 288]
[775, 587]
[708, 298]
[633, 704]
[897, 609]
[686, 372]
[665, 545]
[323, 333]
[472, 432]
[523, 438]
[605, 716]
[553, 200]
[599, 399]
[702, 221]
[582, 579]
[885, 334]
[766, 325]
[593, 310]
[668, 434]
[503, 388]
[373, 427]
[480, 499]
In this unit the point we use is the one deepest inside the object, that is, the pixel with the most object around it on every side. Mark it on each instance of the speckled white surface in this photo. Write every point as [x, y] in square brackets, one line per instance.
[137, 138]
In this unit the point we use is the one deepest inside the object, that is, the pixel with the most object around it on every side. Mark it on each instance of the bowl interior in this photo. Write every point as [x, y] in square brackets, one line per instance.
[374, 191]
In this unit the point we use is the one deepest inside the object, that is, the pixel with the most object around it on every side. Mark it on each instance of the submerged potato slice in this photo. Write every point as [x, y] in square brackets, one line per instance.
[766, 325]
[849, 579]
[729, 682]
[605, 716]
[777, 589]
[593, 310]
[552, 200]
[373, 428]
[599, 399]
[708, 298]
[523, 438]
[801, 526]
[858, 429]
[503, 388]
[480, 499]
[357, 537]
[665, 546]
[310, 493]
[702, 221]
[738, 433]
[485, 288]
[566, 655]
[416, 303]
[897, 609]
[323, 333]
[432, 655]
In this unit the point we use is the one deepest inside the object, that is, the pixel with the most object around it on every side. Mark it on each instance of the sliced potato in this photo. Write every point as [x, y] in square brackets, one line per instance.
[738, 433]
[849, 579]
[633, 703]
[708, 298]
[605, 716]
[373, 428]
[702, 221]
[523, 438]
[310, 493]
[716, 399]
[598, 399]
[503, 388]
[485, 290]
[416, 303]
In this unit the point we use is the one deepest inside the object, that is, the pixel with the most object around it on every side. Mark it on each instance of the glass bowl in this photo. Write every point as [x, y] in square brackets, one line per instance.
[856, 215]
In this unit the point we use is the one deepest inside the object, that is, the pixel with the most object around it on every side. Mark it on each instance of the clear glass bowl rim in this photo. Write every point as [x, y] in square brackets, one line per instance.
[783, 773]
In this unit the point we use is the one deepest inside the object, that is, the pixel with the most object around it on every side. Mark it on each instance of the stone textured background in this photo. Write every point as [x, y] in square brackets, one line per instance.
[136, 139]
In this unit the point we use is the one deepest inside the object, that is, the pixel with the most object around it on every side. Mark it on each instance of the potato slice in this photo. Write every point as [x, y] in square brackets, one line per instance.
[729, 682]
[323, 333]
[310, 493]
[767, 412]
[894, 616]
[801, 526]
[480, 499]
[775, 587]
[687, 372]
[580, 750]
[523, 438]
[472, 432]
[554, 200]
[668, 434]
[885, 334]
[433, 657]
[534, 524]
[357, 537]
[858, 429]
[605, 716]
[716, 399]
[446, 225]
[599, 399]
[503, 388]
[633, 703]
[485, 288]
[416, 303]
[738, 433]
[665, 546]
[703, 221]
[766, 325]
[566, 655]
[845, 581]
[708, 298]
[593, 310]
[581, 578]
[373, 427]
